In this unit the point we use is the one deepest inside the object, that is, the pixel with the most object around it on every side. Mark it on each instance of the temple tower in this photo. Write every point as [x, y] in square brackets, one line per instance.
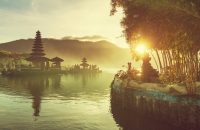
[37, 56]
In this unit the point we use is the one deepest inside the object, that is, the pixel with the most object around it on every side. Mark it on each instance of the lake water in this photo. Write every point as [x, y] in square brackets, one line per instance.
[62, 102]
[86, 102]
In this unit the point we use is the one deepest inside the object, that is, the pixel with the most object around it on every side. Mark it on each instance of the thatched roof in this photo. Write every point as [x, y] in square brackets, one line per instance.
[84, 64]
[57, 59]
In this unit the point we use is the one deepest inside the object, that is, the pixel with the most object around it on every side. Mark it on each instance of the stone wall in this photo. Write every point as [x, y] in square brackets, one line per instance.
[131, 108]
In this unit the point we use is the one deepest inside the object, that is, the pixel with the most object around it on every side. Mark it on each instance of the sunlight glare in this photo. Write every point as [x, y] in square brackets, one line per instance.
[141, 48]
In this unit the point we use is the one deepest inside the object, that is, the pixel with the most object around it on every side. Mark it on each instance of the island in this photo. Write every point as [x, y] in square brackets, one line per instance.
[169, 94]
[84, 67]
[37, 63]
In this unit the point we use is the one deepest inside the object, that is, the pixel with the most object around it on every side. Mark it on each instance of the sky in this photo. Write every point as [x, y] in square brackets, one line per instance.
[20, 19]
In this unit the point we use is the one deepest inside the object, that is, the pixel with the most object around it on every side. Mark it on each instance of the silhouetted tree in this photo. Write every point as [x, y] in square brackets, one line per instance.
[172, 29]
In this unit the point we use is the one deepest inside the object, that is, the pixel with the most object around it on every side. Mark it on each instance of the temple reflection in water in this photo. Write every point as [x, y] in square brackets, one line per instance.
[36, 86]
[40, 87]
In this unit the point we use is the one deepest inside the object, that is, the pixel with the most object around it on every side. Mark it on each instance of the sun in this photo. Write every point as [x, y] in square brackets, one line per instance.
[141, 48]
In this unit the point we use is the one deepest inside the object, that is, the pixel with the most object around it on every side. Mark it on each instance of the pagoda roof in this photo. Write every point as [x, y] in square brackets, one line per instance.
[37, 54]
[38, 46]
[57, 59]
[84, 58]
[37, 51]
[33, 58]
[84, 64]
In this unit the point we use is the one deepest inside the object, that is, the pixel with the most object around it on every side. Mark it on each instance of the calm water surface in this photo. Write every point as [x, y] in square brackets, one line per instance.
[86, 102]
[62, 102]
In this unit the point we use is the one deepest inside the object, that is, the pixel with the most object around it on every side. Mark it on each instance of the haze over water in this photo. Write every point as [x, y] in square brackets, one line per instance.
[71, 102]
[79, 102]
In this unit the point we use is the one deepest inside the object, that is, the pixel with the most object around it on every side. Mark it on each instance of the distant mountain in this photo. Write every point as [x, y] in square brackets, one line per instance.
[103, 53]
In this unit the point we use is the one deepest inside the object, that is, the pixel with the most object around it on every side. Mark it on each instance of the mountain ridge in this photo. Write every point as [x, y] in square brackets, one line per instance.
[72, 51]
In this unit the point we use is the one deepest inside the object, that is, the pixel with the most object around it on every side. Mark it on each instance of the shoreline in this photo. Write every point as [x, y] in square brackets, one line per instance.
[173, 89]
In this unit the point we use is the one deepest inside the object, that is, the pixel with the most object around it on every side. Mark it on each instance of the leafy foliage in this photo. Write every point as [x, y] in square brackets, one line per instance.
[161, 21]
[172, 27]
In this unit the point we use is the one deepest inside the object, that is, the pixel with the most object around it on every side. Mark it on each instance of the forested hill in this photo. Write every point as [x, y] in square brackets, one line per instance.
[72, 51]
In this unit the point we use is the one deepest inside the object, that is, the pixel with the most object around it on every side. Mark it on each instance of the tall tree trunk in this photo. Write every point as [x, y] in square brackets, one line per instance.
[163, 60]
[155, 60]
[159, 60]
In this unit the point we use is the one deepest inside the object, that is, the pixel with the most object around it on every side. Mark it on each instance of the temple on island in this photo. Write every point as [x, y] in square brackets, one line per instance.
[37, 57]
[84, 67]
[84, 64]
[37, 62]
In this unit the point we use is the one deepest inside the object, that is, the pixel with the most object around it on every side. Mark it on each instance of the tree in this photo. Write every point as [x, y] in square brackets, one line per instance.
[172, 27]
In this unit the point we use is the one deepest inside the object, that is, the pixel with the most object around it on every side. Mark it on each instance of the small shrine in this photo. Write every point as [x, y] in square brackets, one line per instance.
[56, 62]
[84, 63]
[84, 67]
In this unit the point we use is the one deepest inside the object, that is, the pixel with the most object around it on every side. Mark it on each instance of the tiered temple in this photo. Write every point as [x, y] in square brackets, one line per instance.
[37, 62]
[37, 57]
[84, 63]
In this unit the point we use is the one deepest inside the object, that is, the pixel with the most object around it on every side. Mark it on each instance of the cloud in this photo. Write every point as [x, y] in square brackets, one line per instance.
[58, 18]
[15, 5]
[93, 38]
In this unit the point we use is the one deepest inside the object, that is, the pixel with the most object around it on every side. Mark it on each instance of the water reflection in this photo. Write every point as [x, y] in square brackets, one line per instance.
[132, 111]
[36, 86]
[61, 102]
[85, 77]
[47, 86]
